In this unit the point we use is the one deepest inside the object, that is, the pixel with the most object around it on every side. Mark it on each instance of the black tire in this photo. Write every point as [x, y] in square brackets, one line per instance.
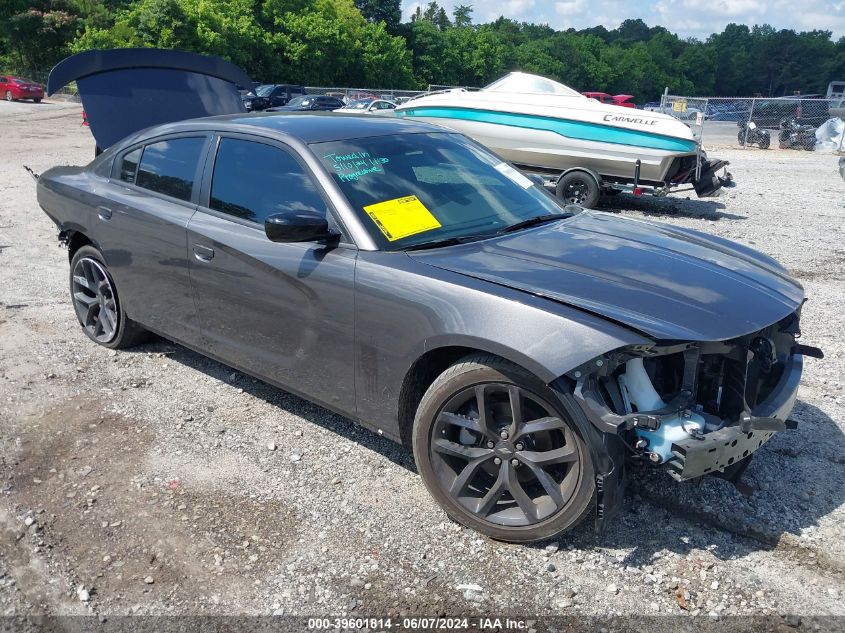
[9, 96]
[36, 100]
[578, 187]
[740, 137]
[765, 141]
[529, 495]
[97, 305]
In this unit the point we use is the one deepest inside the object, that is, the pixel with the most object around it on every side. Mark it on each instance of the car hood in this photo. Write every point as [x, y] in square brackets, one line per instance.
[669, 283]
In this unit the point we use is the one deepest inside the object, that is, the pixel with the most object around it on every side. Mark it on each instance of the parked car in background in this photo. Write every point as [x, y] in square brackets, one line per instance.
[690, 114]
[806, 110]
[729, 111]
[620, 100]
[16, 89]
[368, 106]
[338, 95]
[270, 96]
[356, 96]
[310, 102]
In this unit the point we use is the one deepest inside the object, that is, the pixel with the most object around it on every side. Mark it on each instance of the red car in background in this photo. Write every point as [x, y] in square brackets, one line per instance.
[15, 88]
[603, 97]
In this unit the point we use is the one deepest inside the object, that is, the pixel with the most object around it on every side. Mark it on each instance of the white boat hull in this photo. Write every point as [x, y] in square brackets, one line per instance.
[556, 132]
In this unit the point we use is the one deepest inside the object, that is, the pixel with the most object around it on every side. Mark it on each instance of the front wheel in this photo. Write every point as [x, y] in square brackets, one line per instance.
[97, 304]
[740, 137]
[578, 187]
[36, 100]
[500, 453]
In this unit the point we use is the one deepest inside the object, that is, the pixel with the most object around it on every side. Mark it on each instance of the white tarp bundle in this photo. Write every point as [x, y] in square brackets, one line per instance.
[829, 135]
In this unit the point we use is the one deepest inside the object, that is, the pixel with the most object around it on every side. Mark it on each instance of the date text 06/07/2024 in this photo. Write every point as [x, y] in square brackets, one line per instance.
[418, 624]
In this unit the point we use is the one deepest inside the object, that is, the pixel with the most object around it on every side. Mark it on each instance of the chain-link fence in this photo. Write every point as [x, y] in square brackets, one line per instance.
[792, 123]
[690, 110]
[351, 94]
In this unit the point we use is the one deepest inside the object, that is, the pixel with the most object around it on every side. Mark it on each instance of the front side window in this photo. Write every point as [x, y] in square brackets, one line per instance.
[253, 180]
[411, 189]
[169, 167]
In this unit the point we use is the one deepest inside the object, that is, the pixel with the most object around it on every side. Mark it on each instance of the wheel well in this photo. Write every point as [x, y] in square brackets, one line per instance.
[422, 373]
[75, 240]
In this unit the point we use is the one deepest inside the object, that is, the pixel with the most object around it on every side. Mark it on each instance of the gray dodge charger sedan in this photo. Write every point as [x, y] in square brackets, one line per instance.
[407, 278]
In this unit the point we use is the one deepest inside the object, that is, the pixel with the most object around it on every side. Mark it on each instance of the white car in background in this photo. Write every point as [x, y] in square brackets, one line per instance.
[689, 114]
[368, 106]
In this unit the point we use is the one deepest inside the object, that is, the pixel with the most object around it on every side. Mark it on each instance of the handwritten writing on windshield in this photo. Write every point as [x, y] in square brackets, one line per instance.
[350, 167]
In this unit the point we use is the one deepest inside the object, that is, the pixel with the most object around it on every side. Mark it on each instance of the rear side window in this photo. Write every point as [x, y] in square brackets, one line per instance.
[252, 180]
[129, 165]
[169, 166]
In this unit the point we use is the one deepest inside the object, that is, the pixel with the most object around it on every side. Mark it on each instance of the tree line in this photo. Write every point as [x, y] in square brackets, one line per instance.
[365, 43]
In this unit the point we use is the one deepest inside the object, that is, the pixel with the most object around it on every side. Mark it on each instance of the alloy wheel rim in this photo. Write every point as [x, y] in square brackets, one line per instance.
[504, 455]
[8, 95]
[576, 192]
[94, 300]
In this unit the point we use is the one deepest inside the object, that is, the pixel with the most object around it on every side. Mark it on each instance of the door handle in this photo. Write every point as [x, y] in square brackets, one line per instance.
[203, 253]
[104, 213]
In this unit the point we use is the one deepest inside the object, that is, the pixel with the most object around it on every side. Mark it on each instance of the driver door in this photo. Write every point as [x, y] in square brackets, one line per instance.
[279, 311]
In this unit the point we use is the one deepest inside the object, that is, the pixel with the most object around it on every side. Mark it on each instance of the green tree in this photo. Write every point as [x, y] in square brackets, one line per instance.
[387, 11]
[462, 15]
[37, 33]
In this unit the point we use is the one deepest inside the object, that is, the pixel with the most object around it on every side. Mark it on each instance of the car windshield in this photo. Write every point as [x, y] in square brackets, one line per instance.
[299, 101]
[413, 189]
[360, 104]
[264, 91]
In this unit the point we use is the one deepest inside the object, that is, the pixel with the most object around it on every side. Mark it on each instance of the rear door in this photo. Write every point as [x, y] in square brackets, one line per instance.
[283, 312]
[141, 226]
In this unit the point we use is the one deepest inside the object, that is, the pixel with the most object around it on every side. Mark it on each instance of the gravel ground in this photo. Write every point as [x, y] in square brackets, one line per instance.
[156, 481]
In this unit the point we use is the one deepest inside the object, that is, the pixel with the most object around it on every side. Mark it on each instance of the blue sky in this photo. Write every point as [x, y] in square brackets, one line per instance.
[688, 18]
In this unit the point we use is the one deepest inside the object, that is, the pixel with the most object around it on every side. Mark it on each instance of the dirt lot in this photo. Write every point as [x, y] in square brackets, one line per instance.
[144, 482]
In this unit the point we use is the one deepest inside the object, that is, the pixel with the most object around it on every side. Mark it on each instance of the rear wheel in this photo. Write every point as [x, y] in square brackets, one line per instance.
[765, 141]
[9, 96]
[97, 304]
[578, 187]
[36, 100]
[740, 137]
[500, 453]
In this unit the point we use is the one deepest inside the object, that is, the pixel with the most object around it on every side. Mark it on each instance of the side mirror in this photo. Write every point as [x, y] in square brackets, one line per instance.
[297, 226]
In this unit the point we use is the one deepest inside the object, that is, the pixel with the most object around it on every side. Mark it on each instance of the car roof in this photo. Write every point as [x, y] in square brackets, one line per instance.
[305, 127]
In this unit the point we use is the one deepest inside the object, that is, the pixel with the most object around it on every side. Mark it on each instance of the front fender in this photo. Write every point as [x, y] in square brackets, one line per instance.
[404, 309]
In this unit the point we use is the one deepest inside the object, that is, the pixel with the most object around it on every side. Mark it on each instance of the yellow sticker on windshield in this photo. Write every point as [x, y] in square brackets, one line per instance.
[402, 217]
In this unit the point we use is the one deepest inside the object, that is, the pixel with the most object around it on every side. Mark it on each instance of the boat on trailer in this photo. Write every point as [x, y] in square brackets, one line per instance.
[582, 146]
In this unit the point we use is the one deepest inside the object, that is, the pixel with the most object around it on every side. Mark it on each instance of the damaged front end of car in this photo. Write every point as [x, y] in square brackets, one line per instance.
[692, 408]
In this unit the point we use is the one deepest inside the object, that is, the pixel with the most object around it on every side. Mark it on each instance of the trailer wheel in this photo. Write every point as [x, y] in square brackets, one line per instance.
[578, 187]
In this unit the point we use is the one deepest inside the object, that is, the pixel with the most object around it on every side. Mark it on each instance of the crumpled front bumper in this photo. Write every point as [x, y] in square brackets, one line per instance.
[713, 452]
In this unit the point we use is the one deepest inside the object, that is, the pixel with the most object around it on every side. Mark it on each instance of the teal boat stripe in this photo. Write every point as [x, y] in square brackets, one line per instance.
[581, 130]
